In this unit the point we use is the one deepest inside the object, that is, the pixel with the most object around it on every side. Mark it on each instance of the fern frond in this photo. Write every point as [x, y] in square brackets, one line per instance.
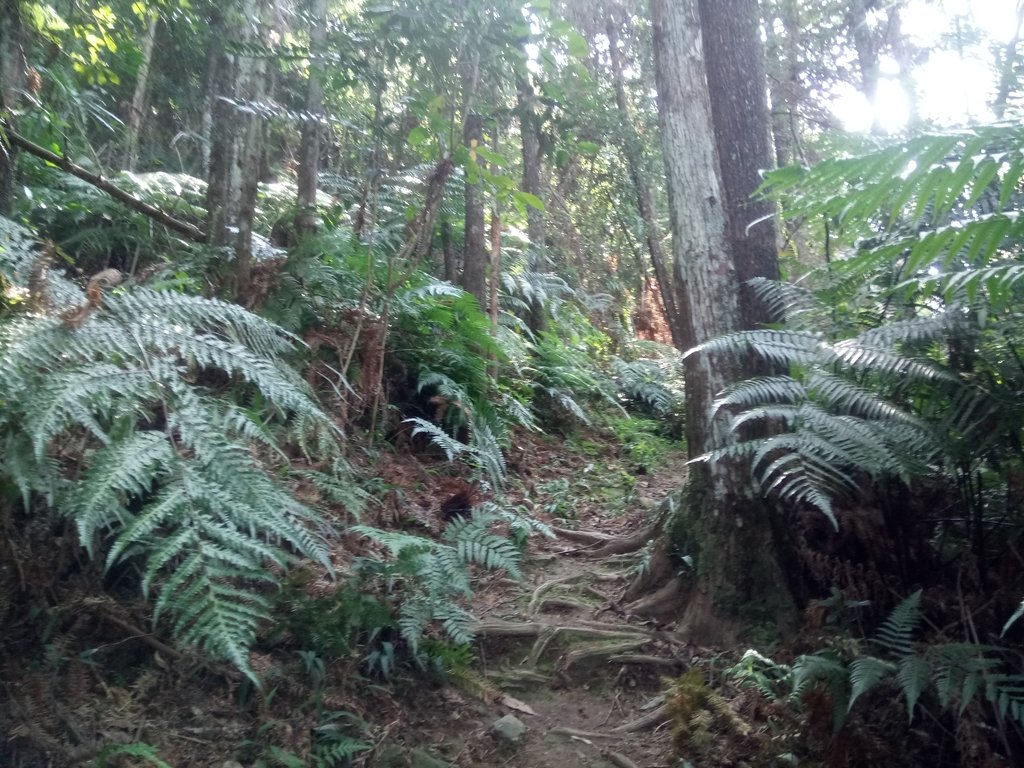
[896, 633]
[865, 673]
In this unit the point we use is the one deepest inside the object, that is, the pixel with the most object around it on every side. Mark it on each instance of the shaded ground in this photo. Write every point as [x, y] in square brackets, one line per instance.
[554, 650]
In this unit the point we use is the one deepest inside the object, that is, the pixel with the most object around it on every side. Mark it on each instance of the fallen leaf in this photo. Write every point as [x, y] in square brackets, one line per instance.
[517, 705]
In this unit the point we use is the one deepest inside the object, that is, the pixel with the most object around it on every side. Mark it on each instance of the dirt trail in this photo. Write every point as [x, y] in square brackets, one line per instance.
[556, 652]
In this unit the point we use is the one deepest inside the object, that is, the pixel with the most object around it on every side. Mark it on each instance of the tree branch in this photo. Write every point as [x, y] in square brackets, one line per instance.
[162, 217]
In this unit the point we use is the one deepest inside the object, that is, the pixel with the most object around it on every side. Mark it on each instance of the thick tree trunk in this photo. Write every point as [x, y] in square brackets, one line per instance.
[739, 109]
[309, 146]
[644, 198]
[12, 81]
[137, 116]
[474, 257]
[529, 130]
[721, 526]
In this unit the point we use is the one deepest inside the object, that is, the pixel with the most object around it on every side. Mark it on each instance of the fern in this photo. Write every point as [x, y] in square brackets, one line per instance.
[436, 574]
[958, 672]
[169, 476]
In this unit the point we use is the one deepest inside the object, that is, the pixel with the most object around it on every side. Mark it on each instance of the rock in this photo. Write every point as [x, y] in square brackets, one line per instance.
[509, 728]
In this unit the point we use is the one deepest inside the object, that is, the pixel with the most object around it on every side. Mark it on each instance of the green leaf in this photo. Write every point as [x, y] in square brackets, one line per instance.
[527, 199]
[578, 47]
[418, 136]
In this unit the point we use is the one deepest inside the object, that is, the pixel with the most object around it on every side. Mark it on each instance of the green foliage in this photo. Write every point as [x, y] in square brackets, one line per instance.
[434, 575]
[644, 445]
[337, 623]
[896, 358]
[153, 426]
[957, 673]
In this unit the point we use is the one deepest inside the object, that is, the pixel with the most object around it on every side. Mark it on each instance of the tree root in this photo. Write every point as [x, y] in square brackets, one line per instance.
[583, 537]
[571, 603]
[652, 718]
[501, 628]
[647, 659]
[575, 733]
[591, 651]
[664, 602]
[628, 544]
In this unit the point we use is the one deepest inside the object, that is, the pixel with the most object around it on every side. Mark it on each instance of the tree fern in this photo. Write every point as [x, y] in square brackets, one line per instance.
[168, 476]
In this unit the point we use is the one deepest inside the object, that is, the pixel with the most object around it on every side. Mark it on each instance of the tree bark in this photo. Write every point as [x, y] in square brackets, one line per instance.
[644, 199]
[739, 109]
[12, 80]
[309, 146]
[721, 527]
[474, 258]
[137, 116]
[784, 80]
[529, 130]
[161, 217]
[240, 83]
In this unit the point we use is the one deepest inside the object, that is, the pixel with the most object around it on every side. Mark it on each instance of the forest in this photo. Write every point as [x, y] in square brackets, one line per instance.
[536, 383]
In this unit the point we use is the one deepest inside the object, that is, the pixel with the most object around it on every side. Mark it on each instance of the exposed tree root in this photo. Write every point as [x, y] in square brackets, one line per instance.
[652, 718]
[583, 537]
[660, 569]
[575, 733]
[664, 603]
[535, 598]
[592, 651]
[634, 542]
[501, 628]
[549, 603]
[645, 659]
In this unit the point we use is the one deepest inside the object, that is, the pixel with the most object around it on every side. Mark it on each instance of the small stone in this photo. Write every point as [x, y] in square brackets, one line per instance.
[510, 728]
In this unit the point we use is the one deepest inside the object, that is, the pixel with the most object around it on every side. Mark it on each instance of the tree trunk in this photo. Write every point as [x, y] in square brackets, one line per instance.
[309, 146]
[721, 526]
[866, 46]
[137, 116]
[236, 139]
[474, 257]
[739, 109]
[785, 81]
[644, 199]
[448, 251]
[12, 81]
[529, 130]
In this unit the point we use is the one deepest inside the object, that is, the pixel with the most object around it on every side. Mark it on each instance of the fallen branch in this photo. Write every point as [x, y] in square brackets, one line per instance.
[162, 217]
